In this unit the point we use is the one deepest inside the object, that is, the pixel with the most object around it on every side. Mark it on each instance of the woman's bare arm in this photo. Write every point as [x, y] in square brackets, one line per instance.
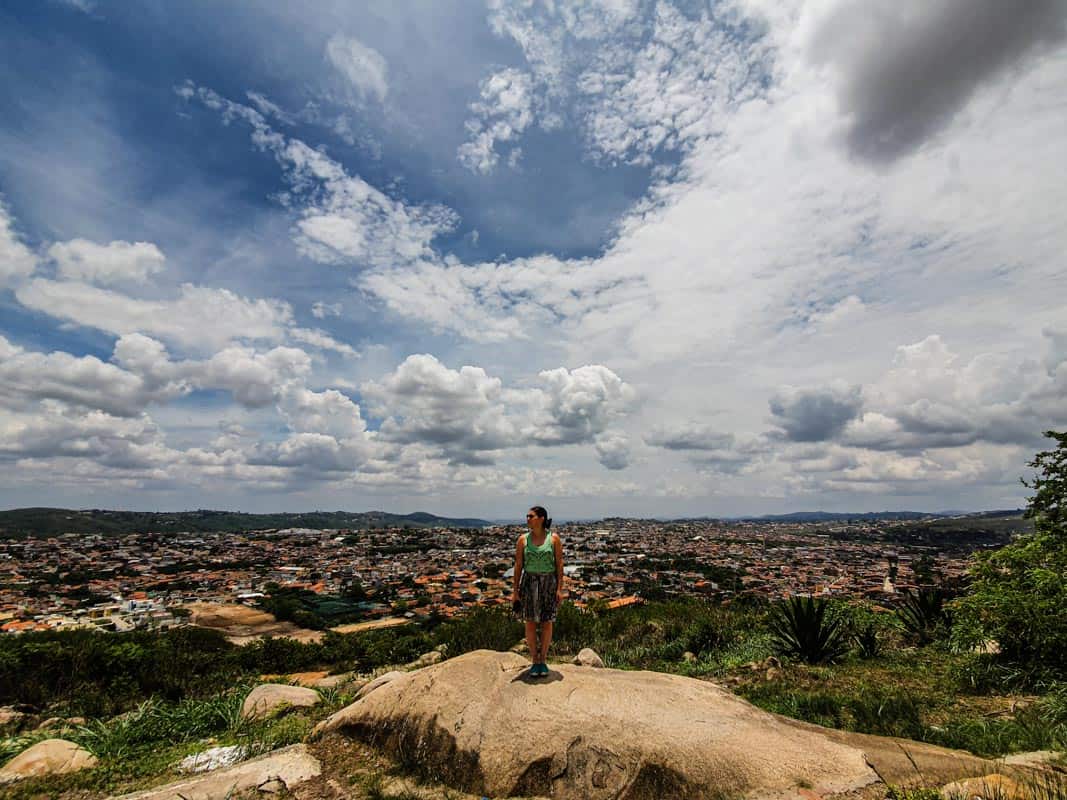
[558, 545]
[518, 568]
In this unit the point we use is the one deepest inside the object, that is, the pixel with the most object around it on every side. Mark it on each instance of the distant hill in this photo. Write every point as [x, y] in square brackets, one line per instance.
[34, 522]
[833, 516]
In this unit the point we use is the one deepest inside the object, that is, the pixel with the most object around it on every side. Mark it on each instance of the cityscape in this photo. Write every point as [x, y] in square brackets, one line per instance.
[121, 582]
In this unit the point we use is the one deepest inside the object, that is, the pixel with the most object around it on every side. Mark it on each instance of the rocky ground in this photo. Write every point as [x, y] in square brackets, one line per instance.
[477, 723]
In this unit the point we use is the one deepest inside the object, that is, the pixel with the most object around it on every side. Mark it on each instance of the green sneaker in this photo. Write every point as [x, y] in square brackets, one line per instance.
[538, 669]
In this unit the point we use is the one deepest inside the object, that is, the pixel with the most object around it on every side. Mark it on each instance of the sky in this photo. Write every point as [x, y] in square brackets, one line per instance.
[653, 258]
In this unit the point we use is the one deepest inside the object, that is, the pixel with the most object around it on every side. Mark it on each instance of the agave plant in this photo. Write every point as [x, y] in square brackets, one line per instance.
[802, 630]
[923, 613]
[867, 641]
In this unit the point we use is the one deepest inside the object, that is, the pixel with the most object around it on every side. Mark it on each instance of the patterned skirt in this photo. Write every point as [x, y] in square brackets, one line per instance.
[537, 597]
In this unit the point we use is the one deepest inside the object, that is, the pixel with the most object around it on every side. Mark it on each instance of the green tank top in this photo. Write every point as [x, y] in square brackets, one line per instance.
[539, 559]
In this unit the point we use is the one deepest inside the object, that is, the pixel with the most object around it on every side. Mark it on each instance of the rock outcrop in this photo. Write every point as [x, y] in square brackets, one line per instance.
[268, 698]
[48, 757]
[378, 682]
[479, 723]
[270, 774]
[587, 657]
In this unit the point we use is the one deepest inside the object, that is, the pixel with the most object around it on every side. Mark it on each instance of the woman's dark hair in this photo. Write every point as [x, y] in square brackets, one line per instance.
[540, 511]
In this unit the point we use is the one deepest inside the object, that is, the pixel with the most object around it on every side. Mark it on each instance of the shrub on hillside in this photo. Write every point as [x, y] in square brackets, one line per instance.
[486, 627]
[99, 674]
[1018, 593]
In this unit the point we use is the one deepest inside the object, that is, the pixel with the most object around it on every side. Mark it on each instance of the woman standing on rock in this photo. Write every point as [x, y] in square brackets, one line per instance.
[538, 584]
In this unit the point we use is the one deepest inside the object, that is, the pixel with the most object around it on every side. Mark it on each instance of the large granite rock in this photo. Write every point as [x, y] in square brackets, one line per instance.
[479, 723]
[272, 774]
[377, 683]
[268, 698]
[47, 757]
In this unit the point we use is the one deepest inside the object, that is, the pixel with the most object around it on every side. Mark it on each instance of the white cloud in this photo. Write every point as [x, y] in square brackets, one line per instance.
[639, 78]
[321, 310]
[200, 317]
[108, 442]
[466, 411]
[82, 260]
[363, 66]
[613, 450]
[27, 378]
[504, 111]
[16, 260]
[578, 405]
[322, 341]
[342, 219]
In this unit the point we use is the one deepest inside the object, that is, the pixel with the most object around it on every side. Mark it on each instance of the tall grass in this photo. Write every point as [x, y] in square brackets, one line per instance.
[153, 722]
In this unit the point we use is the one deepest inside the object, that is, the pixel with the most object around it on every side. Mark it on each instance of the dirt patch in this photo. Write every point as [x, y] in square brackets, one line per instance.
[243, 625]
[371, 624]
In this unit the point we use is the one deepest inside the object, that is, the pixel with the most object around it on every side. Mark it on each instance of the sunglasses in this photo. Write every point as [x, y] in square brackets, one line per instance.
[530, 516]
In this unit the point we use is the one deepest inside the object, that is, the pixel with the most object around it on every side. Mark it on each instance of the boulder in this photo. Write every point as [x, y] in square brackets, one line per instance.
[381, 680]
[1038, 759]
[593, 734]
[308, 679]
[587, 657]
[988, 787]
[426, 659]
[9, 716]
[273, 773]
[212, 758]
[267, 698]
[47, 757]
[334, 681]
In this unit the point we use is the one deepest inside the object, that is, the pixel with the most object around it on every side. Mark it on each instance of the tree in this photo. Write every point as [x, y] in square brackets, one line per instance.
[1018, 593]
[1048, 506]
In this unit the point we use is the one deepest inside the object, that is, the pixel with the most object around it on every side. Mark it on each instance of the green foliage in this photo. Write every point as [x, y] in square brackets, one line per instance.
[154, 722]
[95, 674]
[486, 627]
[868, 642]
[912, 793]
[101, 674]
[574, 628]
[1018, 593]
[802, 630]
[923, 614]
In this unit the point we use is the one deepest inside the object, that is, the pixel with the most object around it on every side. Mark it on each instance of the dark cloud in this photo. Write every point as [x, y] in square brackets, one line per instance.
[815, 415]
[907, 67]
[689, 436]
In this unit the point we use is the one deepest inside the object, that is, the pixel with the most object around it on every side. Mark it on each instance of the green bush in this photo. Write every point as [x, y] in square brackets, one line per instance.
[574, 629]
[1018, 593]
[98, 674]
[484, 628]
